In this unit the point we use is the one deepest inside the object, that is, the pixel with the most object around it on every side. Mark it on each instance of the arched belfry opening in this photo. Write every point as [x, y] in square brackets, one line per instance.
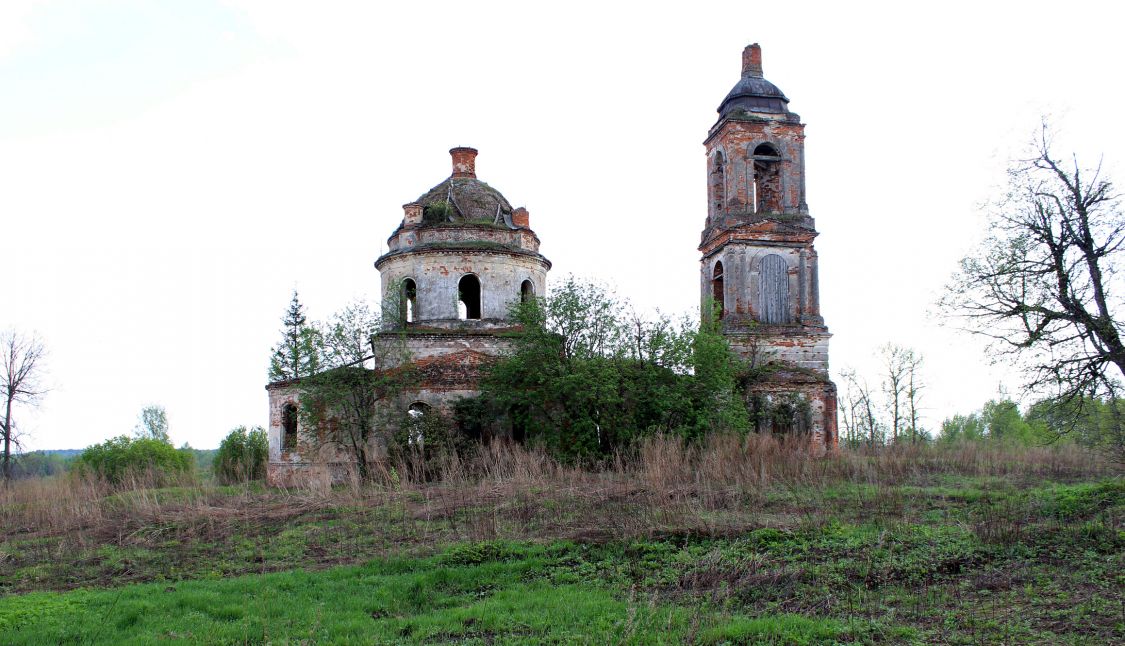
[773, 290]
[718, 182]
[409, 300]
[527, 291]
[718, 293]
[766, 188]
[468, 296]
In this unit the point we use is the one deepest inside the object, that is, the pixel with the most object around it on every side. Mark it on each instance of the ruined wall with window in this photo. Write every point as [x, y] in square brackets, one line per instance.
[299, 455]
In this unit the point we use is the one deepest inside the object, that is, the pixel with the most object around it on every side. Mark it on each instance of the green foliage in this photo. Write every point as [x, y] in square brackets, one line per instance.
[204, 458]
[1096, 423]
[153, 424]
[477, 553]
[422, 440]
[588, 376]
[121, 458]
[242, 456]
[1001, 421]
[437, 212]
[346, 402]
[296, 356]
[38, 464]
[1084, 500]
[962, 428]
[473, 418]
[1004, 423]
[718, 404]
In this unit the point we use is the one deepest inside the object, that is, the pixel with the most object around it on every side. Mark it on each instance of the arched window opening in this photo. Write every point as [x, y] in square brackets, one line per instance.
[765, 150]
[718, 183]
[773, 290]
[766, 188]
[527, 291]
[409, 300]
[789, 414]
[717, 291]
[289, 428]
[468, 295]
[416, 415]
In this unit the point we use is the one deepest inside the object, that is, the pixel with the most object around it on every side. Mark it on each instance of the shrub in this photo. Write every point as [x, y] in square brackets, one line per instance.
[587, 377]
[242, 456]
[123, 457]
[423, 442]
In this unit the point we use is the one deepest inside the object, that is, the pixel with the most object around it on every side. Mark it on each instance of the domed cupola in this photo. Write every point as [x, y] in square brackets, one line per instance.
[753, 93]
[462, 254]
[464, 198]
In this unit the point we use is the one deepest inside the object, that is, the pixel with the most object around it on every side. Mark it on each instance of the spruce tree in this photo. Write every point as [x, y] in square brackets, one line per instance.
[296, 355]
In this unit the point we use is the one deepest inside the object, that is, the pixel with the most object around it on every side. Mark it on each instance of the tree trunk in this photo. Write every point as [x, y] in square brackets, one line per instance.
[8, 441]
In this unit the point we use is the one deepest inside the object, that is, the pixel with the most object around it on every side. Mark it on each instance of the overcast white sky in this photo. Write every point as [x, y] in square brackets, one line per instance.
[170, 171]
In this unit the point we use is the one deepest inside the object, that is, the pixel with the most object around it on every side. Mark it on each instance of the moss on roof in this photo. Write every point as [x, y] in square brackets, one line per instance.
[471, 200]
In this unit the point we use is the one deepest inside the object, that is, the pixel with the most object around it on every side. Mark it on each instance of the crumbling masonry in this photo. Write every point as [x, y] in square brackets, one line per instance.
[759, 270]
[461, 255]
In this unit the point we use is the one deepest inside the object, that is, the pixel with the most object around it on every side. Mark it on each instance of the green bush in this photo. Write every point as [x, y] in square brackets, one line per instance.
[123, 457]
[586, 377]
[242, 456]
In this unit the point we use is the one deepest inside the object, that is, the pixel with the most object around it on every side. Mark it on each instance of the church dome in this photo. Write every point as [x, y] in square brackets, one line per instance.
[465, 214]
[753, 93]
[462, 198]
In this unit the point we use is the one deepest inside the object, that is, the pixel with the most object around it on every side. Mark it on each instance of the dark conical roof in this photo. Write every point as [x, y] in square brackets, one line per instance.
[753, 93]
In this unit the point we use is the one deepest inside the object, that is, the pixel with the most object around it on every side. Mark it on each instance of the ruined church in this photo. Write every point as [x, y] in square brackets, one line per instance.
[462, 255]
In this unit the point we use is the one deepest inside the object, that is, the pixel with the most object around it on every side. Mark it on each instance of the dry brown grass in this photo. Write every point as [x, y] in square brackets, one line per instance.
[720, 487]
[663, 476]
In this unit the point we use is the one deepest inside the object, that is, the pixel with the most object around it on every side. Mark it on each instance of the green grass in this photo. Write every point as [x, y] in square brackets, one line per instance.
[931, 559]
[471, 594]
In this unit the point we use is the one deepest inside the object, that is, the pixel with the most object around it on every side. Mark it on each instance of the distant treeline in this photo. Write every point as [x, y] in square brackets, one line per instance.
[1090, 422]
[49, 462]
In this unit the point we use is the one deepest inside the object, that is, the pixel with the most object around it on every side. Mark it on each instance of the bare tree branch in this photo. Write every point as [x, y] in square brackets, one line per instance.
[1041, 287]
[21, 359]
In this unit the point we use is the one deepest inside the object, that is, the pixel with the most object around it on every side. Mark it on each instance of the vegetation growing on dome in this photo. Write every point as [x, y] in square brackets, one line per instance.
[437, 212]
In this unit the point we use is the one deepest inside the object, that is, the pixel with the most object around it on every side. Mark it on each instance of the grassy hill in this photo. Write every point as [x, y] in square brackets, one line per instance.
[734, 543]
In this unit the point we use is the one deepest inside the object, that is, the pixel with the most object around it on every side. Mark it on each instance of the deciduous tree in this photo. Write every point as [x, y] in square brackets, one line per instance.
[21, 367]
[153, 424]
[345, 402]
[859, 411]
[902, 387]
[1042, 286]
[587, 375]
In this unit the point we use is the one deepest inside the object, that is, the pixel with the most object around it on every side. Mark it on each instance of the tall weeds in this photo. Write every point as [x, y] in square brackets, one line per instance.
[506, 490]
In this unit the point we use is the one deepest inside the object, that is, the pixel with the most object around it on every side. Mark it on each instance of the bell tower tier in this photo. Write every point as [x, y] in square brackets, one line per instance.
[759, 270]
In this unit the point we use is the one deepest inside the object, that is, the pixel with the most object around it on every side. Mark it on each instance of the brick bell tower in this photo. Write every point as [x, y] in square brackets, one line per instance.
[759, 269]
